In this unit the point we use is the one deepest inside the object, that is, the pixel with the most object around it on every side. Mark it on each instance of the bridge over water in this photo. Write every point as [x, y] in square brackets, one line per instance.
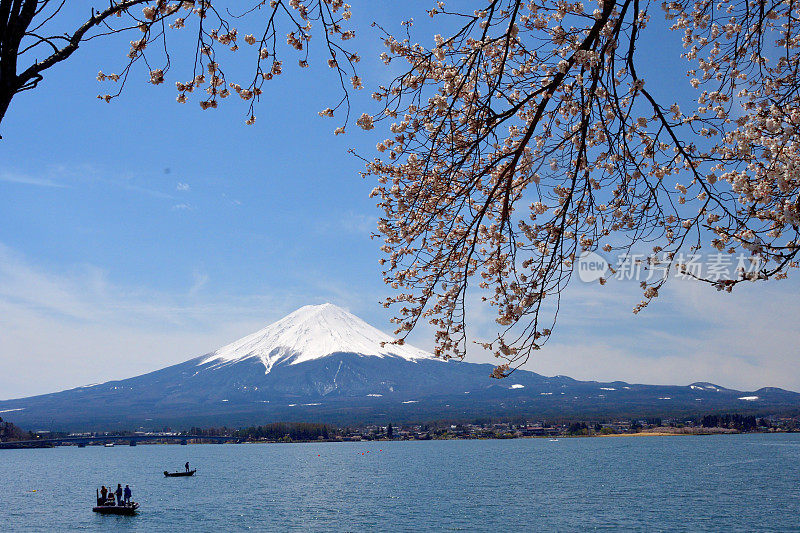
[131, 440]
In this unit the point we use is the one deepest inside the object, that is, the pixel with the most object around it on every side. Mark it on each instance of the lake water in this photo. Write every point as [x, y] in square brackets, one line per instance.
[721, 483]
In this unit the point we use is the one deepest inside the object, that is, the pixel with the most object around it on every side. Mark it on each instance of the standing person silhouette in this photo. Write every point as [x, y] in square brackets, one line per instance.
[187, 466]
[127, 494]
[118, 492]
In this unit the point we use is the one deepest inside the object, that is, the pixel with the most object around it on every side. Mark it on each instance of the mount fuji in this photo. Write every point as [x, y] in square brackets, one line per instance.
[313, 332]
[321, 363]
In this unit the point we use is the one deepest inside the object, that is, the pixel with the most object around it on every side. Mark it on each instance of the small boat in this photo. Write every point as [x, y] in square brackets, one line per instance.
[179, 474]
[109, 445]
[129, 509]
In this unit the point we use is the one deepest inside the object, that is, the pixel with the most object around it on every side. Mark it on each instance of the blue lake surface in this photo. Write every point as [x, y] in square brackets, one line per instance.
[709, 483]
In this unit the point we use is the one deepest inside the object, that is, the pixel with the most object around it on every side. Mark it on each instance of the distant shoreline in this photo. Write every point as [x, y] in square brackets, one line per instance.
[306, 432]
[198, 441]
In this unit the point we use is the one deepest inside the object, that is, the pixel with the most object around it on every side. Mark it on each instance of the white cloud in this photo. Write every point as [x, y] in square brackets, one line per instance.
[66, 329]
[58, 176]
[182, 187]
[22, 179]
[353, 223]
[200, 281]
[744, 340]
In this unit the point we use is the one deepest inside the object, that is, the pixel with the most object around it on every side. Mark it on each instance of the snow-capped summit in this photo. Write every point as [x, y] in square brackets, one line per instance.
[312, 332]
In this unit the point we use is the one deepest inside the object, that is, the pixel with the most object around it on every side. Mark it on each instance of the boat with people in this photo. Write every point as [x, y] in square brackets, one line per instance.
[124, 509]
[108, 504]
[180, 474]
[185, 473]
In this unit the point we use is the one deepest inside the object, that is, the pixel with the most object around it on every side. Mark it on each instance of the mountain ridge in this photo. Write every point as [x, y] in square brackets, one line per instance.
[308, 366]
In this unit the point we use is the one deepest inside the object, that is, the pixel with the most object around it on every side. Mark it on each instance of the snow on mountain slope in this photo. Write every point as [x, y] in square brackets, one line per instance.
[312, 332]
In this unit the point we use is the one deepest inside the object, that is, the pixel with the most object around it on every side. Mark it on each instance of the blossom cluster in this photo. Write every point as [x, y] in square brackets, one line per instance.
[528, 136]
[216, 34]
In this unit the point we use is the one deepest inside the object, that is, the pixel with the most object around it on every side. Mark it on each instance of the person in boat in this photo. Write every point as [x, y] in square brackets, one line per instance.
[118, 492]
[103, 495]
[187, 466]
[127, 495]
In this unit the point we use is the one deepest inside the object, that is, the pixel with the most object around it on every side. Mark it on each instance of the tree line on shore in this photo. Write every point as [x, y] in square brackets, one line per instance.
[10, 432]
[498, 428]
[443, 429]
[276, 431]
[735, 421]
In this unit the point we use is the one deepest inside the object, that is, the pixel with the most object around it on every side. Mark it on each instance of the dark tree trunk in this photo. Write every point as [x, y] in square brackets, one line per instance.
[11, 34]
[15, 17]
[5, 101]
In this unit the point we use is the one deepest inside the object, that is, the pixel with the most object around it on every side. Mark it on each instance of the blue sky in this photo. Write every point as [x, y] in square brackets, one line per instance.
[141, 233]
